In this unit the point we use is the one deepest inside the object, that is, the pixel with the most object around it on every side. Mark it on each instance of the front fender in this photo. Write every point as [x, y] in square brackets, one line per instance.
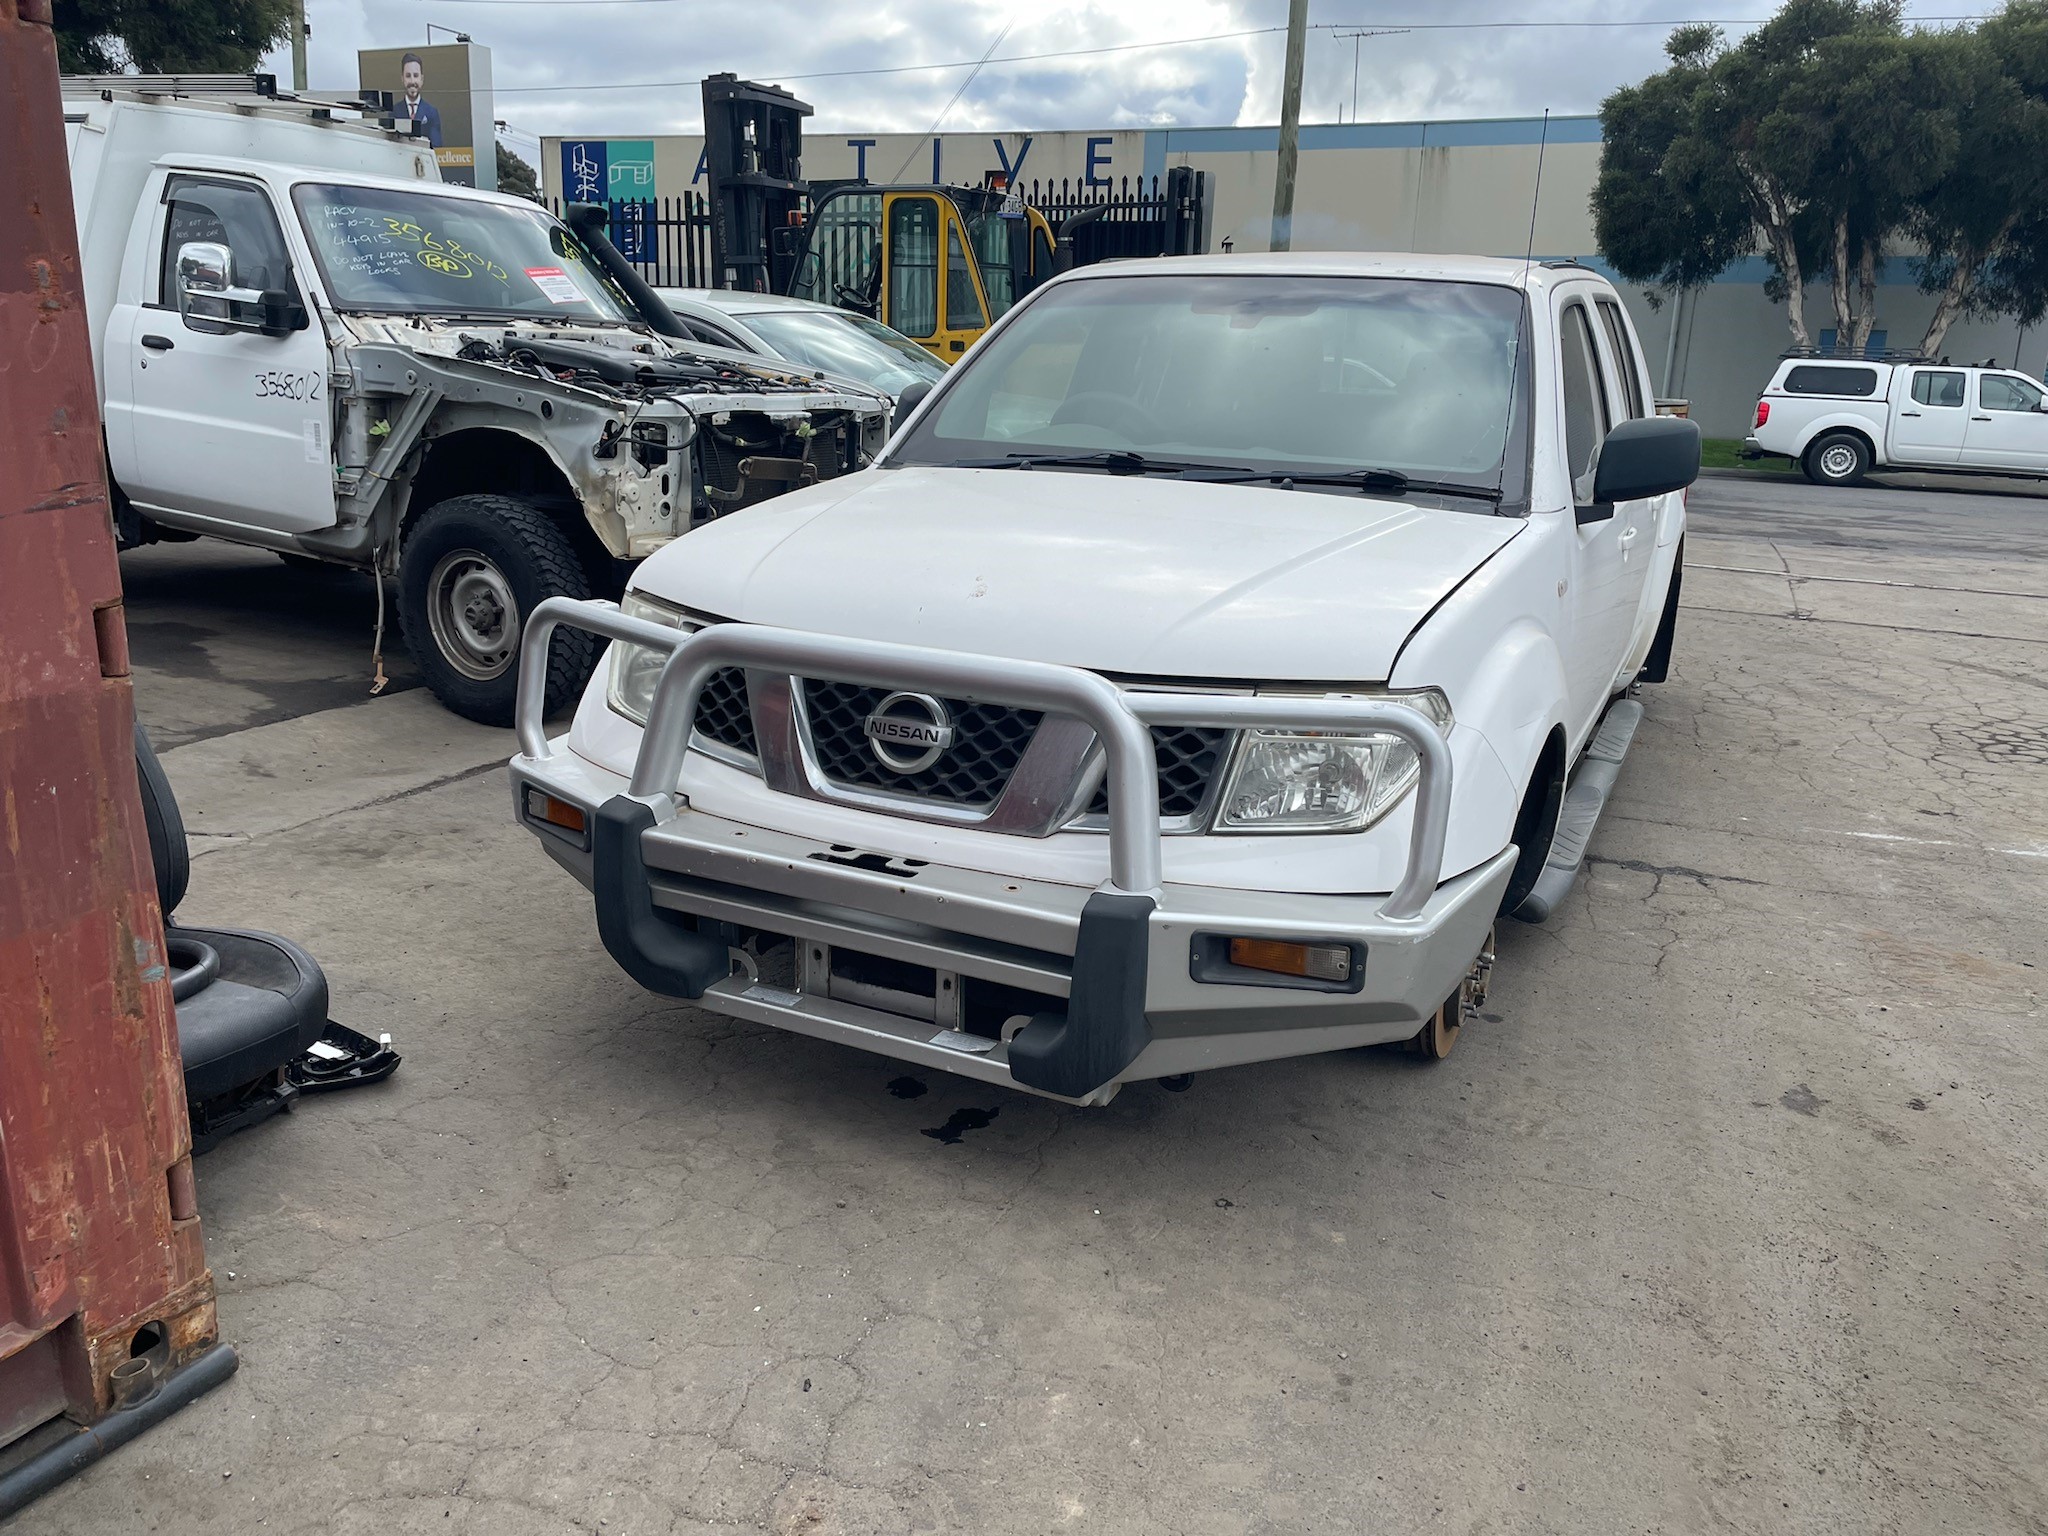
[1493, 648]
[1514, 698]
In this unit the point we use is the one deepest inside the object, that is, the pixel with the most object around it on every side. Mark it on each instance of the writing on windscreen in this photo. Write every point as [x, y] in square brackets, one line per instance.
[389, 250]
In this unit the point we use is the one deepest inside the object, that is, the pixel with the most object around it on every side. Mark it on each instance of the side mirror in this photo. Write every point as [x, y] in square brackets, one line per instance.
[912, 397]
[206, 268]
[207, 291]
[1650, 457]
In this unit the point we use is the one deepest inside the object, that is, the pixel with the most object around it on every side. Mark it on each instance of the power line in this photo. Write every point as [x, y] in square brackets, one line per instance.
[1008, 26]
[1078, 53]
[839, 74]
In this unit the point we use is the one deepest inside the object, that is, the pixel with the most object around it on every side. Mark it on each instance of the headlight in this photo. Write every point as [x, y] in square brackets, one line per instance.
[636, 668]
[1320, 781]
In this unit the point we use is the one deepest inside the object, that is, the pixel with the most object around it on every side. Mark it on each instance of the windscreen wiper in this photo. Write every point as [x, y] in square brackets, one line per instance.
[1117, 461]
[1383, 482]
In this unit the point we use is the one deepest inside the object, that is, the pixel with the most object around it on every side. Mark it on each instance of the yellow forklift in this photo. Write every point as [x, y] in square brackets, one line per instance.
[939, 264]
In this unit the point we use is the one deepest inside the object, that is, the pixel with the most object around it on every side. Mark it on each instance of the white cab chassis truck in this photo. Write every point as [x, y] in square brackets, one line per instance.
[1204, 665]
[1838, 418]
[305, 342]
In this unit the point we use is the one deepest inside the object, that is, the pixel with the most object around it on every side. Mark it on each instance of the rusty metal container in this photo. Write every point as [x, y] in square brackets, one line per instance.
[106, 1304]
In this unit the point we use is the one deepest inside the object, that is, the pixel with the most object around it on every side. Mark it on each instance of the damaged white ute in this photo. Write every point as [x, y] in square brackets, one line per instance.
[1199, 672]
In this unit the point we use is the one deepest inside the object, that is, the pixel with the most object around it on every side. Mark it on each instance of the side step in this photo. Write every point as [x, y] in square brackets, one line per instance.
[1580, 812]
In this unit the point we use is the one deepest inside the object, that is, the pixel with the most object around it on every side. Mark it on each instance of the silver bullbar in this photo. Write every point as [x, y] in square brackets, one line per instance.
[673, 884]
[1121, 719]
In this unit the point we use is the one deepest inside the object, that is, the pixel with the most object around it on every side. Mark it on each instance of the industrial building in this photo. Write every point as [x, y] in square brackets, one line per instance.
[1469, 186]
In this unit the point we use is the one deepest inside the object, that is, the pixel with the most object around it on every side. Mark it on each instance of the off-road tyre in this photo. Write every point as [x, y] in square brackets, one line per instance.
[1836, 458]
[467, 555]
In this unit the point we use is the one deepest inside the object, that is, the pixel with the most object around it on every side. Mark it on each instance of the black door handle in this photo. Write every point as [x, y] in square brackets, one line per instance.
[1980, 418]
[157, 343]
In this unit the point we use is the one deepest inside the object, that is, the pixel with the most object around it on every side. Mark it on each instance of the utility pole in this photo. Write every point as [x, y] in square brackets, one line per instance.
[1356, 37]
[1290, 128]
[298, 45]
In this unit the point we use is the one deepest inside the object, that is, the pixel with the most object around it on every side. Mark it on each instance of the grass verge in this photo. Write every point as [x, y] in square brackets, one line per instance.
[1723, 453]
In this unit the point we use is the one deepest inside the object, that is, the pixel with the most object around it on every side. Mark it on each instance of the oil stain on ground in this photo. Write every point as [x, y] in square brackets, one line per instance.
[907, 1088]
[960, 1123]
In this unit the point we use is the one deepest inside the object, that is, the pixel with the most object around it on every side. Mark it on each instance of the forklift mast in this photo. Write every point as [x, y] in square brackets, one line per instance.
[753, 150]
[939, 264]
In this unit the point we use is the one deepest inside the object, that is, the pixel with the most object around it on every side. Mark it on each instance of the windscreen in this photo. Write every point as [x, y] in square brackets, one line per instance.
[389, 250]
[1262, 372]
[851, 346]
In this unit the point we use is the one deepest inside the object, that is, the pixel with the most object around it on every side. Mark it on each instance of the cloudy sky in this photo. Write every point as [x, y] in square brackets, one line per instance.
[630, 67]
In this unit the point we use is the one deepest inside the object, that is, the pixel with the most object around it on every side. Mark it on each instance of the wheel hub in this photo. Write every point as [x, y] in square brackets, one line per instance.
[474, 617]
[1472, 990]
[1838, 460]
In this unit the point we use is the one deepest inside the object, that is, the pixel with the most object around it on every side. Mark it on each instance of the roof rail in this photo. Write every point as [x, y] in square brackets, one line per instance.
[375, 109]
[1567, 263]
[1853, 355]
[177, 85]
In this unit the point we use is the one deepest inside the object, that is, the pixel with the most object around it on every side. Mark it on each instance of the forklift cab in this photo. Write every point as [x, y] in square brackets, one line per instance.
[880, 252]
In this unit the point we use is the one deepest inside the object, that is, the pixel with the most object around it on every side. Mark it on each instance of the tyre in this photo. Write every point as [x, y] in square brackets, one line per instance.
[1657, 665]
[1838, 458]
[1535, 825]
[469, 572]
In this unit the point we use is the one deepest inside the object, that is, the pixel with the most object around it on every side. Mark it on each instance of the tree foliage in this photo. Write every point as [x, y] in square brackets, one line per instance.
[1983, 228]
[168, 37]
[516, 176]
[1826, 137]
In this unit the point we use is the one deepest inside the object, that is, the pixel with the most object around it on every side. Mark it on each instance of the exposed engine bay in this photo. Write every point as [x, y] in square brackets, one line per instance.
[655, 438]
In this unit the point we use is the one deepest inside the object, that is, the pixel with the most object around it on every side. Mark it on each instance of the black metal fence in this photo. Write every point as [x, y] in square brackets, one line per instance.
[668, 239]
[1145, 216]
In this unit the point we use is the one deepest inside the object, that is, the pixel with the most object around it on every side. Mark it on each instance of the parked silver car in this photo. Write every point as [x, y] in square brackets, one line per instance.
[836, 342]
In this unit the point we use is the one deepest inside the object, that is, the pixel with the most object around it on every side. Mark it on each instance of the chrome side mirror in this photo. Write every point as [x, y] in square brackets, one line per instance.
[206, 268]
[207, 291]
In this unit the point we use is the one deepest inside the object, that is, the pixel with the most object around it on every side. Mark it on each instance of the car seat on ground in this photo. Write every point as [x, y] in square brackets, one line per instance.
[249, 1004]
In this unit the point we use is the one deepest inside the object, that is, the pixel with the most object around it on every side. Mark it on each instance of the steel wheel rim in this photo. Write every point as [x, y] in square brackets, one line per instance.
[474, 617]
[1837, 460]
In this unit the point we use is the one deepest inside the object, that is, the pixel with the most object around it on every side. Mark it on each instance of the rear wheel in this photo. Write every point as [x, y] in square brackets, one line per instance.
[471, 570]
[1839, 458]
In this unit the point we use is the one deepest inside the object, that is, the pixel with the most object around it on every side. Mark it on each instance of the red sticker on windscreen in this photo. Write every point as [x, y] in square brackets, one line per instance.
[558, 285]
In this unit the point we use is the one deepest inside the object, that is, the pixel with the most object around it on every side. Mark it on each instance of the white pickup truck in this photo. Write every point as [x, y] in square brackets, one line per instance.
[1204, 665]
[306, 343]
[1840, 418]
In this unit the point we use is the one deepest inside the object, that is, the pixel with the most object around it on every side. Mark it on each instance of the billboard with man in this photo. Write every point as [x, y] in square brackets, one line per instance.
[444, 94]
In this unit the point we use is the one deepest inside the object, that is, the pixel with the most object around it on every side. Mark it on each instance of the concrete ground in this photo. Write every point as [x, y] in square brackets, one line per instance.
[1729, 1215]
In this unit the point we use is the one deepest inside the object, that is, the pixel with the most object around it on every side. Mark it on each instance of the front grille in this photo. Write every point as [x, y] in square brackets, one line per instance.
[723, 713]
[1188, 758]
[988, 739]
[988, 742]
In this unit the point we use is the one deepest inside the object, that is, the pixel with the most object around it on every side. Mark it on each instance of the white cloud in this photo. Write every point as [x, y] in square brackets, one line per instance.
[582, 47]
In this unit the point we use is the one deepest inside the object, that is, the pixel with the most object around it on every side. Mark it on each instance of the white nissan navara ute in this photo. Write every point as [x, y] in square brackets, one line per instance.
[1200, 670]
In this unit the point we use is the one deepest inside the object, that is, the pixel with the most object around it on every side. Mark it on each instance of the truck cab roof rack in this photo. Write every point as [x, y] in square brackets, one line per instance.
[1855, 355]
[177, 85]
[252, 90]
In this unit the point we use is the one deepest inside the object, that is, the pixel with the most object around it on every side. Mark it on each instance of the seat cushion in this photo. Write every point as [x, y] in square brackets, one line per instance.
[166, 828]
[267, 1007]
